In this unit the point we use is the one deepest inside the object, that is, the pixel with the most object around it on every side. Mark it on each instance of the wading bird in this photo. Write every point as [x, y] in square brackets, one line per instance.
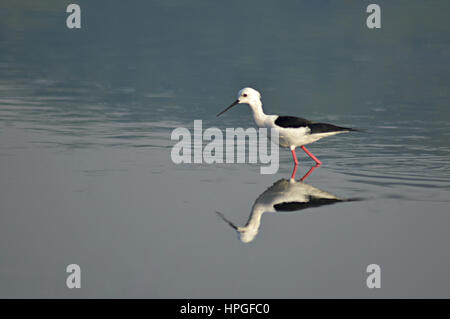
[293, 131]
[283, 196]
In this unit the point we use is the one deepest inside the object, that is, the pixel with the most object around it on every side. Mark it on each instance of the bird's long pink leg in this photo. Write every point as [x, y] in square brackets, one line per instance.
[311, 155]
[294, 171]
[296, 163]
[309, 173]
[294, 156]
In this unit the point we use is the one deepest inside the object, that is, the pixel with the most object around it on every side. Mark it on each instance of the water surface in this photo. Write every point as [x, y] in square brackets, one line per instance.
[86, 176]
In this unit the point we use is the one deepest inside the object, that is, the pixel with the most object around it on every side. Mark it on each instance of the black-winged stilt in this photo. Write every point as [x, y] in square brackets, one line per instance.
[283, 196]
[293, 131]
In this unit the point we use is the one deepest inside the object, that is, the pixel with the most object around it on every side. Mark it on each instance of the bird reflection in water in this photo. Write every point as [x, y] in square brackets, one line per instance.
[283, 196]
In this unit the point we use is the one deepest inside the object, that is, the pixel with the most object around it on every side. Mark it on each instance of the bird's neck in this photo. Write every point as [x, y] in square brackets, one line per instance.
[258, 113]
[251, 229]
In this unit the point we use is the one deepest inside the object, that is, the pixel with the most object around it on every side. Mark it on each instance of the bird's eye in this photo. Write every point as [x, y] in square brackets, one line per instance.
[244, 95]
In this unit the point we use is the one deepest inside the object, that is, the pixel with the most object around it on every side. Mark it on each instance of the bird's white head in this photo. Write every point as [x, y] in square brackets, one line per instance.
[246, 234]
[246, 96]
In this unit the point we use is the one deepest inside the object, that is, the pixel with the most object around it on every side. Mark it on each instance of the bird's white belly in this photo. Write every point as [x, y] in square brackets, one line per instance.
[289, 137]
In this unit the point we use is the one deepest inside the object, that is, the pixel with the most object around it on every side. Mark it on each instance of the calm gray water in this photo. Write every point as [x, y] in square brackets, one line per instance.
[86, 175]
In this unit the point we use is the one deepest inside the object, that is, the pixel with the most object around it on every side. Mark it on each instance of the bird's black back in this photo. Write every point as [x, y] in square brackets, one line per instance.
[313, 201]
[297, 122]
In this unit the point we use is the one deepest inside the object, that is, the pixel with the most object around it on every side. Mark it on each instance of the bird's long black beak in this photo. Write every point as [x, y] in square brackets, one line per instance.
[234, 103]
[227, 221]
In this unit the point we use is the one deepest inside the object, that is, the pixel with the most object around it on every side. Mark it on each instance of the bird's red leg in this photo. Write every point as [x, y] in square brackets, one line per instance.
[294, 156]
[311, 155]
[296, 164]
[294, 171]
[309, 173]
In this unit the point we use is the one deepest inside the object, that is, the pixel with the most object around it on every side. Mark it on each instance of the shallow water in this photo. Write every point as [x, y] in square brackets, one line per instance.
[86, 175]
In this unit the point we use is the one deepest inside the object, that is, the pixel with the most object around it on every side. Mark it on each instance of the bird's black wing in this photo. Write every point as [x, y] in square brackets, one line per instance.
[326, 128]
[313, 201]
[291, 121]
[296, 122]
